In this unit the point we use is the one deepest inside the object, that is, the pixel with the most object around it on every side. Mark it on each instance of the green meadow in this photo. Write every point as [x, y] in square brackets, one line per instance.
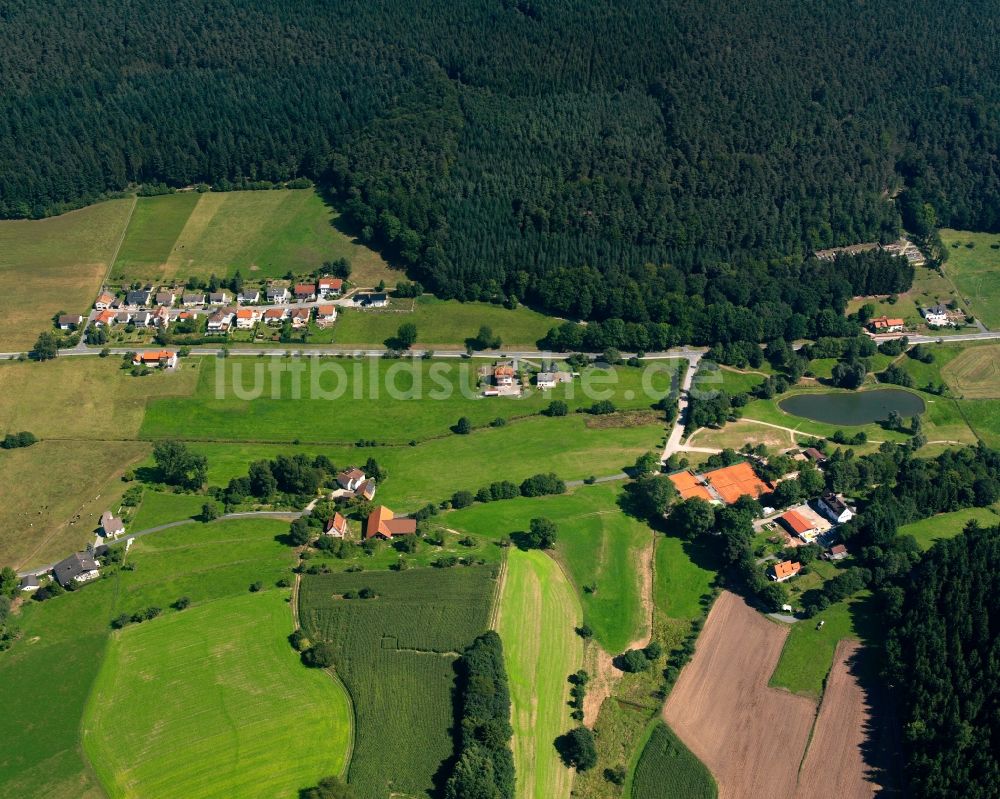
[683, 574]
[444, 324]
[343, 400]
[598, 544]
[213, 701]
[260, 233]
[929, 531]
[538, 613]
[974, 265]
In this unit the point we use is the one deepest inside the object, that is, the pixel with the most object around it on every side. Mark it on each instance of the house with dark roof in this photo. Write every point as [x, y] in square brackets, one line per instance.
[69, 321]
[79, 567]
[218, 298]
[191, 300]
[382, 523]
[28, 583]
[366, 490]
[111, 525]
[378, 299]
[276, 294]
[137, 298]
[814, 455]
[835, 508]
[350, 479]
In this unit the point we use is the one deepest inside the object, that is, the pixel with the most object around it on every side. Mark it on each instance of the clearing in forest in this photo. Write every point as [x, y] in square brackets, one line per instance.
[538, 612]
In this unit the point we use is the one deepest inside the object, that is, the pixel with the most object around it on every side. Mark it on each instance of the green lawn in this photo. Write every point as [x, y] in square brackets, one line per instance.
[683, 574]
[976, 272]
[808, 653]
[948, 525]
[260, 233]
[668, 770]
[538, 612]
[598, 544]
[983, 417]
[433, 470]
[396, 656]
[444, 324]
[52, 265]
[159, 508]
[213, 701]
[342, 400]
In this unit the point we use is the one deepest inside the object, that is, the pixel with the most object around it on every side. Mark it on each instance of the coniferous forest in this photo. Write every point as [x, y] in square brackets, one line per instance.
[655, 161]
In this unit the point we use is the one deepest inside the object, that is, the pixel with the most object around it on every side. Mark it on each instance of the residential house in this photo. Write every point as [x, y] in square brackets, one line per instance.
[246, 318]
[305, 292]
[326, 315]
[79, 567]
[142, 319]
[123, 317]
[166, 359]
[504, 374]
[105, 319]
[383, 523]
[377, 300]
[28, 583]
[185, 316]
[275, 316]
[277, 294]
[886, 324]
[350, 479]
[329, 286]
[837, 552]
[366, 490]
[104, 301]
[70, 321]
[165, 298]
[111, 525]
[300, 317]
[336, 527]
[784, 570]
[218, 298]
[814, 455]
[936, 315]
[835, 508]
[248, 297]
[161, 317]
[220, 322]
[546, 380]
[137, 298]
[799, 525]
[191, 300]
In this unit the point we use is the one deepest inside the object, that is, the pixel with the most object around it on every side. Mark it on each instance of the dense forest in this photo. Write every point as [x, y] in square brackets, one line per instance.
[943, 654]
[654, 161]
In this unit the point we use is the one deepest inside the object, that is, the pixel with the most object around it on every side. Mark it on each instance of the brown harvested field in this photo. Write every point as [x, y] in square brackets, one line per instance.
[835, 767]
[751, 737]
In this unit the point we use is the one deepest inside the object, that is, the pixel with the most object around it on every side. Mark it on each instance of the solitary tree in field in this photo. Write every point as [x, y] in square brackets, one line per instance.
[577, 748]
[406, 336]
[463, 426]
[46, 347]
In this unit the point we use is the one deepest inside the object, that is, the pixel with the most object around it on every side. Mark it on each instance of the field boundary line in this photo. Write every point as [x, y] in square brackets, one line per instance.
[494, 619]
[121, 240]
[295, 601]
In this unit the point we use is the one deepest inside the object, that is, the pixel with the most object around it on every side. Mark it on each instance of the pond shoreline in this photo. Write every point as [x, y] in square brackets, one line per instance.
[853, 408]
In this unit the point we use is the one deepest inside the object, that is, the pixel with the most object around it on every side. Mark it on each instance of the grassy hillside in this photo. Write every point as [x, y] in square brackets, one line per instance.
[53, 265]
[260, 233]
[214, 701]
[599, 545]
[538, 612]
[396, 654]
[975, 270]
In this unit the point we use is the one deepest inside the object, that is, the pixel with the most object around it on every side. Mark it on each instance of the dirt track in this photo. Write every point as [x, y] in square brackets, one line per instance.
[834, 767]
[751, 737]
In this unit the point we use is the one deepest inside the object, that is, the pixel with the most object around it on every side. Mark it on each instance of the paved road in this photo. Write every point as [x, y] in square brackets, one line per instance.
[677, 432]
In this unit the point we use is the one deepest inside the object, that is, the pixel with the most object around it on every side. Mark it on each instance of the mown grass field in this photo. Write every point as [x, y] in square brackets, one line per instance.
[47, 675]
[260, 233]
[976, 272]
[433, 470]
[538, 612]
[213, 701]
[667, 770]
[735, 434]
[683, 573]
[599, 545]
[344, 400]
[974, 373]
[54, 494]
[808, 653]
[444, 324]
[396, 656]
[947, 525]
[52, 265]
[158, 507]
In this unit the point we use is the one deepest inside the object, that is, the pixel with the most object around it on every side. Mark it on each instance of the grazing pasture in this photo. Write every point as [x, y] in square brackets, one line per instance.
[343, 400]
[158, 507]
[442, 324]
[213, 701]
[667, 770]
[599, 545]
[976, 272]
[538, 613]
[396, 655]
[52, 265]
[260, 233]
[724, 712]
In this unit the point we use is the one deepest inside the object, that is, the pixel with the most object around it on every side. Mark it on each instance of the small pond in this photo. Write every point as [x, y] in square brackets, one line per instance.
[853, 407]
